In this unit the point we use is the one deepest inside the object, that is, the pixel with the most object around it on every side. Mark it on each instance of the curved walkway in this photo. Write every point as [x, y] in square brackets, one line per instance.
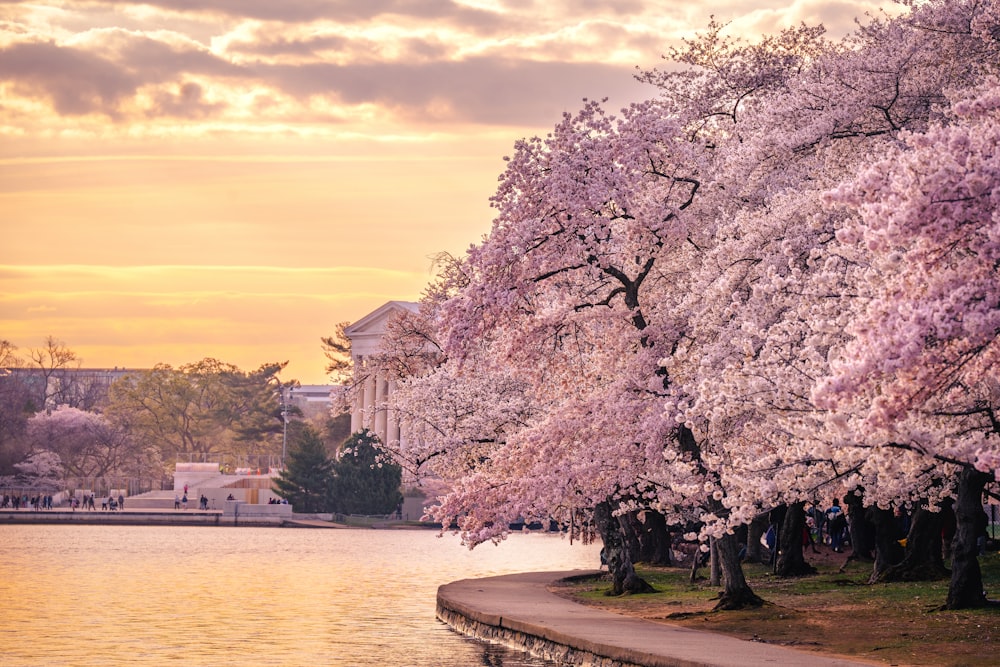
[518, 610]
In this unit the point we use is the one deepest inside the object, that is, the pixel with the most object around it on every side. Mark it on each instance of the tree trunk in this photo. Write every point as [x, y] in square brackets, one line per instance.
[886, 547]
[966, 588]
[715, 570]
[922, 560]
[624, 579]
[860, 529]
[736, 593]
[630, 527]
[791, 560]
[755, 531]
[654, 539]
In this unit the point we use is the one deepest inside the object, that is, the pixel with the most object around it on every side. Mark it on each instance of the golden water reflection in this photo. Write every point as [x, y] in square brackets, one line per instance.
[129, 595]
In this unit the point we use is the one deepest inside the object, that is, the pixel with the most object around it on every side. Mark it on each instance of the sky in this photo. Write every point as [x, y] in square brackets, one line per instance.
[182, 179]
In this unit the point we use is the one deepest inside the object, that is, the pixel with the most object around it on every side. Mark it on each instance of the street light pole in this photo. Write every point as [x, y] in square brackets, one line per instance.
[284, 426]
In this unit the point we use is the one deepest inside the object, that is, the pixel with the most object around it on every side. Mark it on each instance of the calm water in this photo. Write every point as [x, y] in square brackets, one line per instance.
[194, 596]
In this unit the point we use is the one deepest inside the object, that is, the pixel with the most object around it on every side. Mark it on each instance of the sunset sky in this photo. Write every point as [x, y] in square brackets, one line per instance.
[182, 179]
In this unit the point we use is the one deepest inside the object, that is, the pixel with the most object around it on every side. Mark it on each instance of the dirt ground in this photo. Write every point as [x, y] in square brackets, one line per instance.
[832, 612]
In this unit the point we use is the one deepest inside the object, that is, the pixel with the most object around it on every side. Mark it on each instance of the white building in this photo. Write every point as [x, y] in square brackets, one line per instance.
[369, 406]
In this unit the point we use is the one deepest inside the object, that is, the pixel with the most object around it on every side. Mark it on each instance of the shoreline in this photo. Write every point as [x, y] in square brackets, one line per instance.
[520, 612]
[189, 517]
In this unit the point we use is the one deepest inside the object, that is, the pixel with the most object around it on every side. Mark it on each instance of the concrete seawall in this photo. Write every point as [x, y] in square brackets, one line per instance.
[143, 517]
[519, 611]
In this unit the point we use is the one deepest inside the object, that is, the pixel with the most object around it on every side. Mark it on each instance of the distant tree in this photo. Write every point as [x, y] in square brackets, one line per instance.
[337, 349]
[13, 413]
[365, 483]
[337, 429]
[87, 443]
[307, 480]
[40, 472]
[207, 409]
[48, 364]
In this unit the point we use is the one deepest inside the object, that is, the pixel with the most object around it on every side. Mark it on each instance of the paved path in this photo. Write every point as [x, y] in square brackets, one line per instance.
[522, 604]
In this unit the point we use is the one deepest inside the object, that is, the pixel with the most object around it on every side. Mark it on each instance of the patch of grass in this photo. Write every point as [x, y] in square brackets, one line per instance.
[830, 612]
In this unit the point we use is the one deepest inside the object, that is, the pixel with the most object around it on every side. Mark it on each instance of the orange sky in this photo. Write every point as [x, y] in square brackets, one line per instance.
[183, 179]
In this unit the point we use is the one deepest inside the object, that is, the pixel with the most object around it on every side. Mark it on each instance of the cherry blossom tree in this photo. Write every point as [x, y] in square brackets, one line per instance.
[87, 443]
[661, 292]
[920, 372]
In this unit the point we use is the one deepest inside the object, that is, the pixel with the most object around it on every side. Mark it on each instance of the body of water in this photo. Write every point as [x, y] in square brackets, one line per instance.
[200, 596]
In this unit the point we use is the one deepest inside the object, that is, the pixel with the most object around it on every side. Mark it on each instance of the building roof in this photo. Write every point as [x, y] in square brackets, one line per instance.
[366, 332]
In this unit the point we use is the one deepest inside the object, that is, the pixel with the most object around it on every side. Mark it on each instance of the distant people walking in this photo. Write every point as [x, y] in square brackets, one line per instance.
[837, 522]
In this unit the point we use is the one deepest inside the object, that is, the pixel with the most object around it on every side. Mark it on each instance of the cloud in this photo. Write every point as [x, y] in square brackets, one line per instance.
[105, 72]
[188, 102]
[292, 11]
[125, 75]
[477, 90]
[77, 82]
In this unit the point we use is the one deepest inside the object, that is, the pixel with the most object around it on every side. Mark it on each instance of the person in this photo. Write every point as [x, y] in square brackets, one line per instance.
[177, 502]
[838, 523]
[184, 500]
[230, 497]
[121, 501]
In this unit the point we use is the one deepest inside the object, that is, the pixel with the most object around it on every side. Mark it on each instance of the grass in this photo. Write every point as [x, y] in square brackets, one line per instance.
[830, 612]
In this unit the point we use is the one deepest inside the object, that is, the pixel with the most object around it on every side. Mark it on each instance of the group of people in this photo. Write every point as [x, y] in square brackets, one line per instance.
[834, 521]
[181, 502]
[90, 502]
[45, 502]
[17, 501]
[823, 526]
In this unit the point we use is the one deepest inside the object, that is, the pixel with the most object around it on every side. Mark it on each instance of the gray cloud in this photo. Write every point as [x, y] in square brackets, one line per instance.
[188, 102]
[278, 45]
[80, 82]
[481, 90]
[297, 11]
[488, 91]
[76, 81]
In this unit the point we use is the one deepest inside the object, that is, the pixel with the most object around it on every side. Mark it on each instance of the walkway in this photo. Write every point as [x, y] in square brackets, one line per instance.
[519, 610]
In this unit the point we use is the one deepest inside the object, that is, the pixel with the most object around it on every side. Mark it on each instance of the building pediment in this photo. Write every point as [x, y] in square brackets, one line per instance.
[375, 321]
[365, 333]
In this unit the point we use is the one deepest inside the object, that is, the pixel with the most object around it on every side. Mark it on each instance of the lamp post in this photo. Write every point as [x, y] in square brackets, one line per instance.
[284, 425]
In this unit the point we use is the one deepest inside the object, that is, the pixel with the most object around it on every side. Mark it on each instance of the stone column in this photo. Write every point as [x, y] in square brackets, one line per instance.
[358, 405]
[381, 394]
[392, 429]
[369, 398]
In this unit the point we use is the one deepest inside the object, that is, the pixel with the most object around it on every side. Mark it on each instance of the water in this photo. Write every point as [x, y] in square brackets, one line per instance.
[201, 596]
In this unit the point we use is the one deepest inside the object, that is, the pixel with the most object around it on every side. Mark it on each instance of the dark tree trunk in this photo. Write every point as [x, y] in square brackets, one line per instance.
[624, 580]
[966, 588]
[654, 539]
[629, 524]
[755, 531]
[714, 568]
[922, 560]
[791, 559]
[886, 547]
[736, 593]
[860, 529]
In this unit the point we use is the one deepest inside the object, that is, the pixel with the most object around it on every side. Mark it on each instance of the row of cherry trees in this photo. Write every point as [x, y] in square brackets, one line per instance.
[774, 282]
